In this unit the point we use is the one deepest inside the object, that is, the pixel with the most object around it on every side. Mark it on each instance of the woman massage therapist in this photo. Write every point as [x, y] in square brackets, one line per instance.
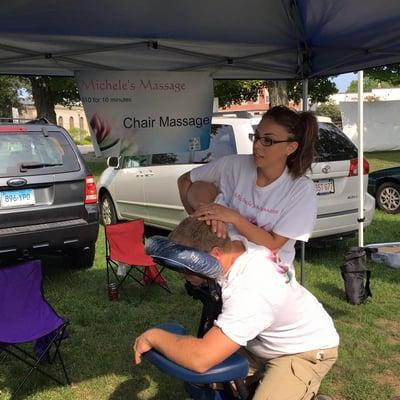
[266, 196]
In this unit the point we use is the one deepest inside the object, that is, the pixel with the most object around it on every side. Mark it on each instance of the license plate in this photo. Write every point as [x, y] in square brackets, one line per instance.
[17, 198]
[324, 186]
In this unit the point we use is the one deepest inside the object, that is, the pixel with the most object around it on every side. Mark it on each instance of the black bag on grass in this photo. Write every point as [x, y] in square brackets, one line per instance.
[356, 276]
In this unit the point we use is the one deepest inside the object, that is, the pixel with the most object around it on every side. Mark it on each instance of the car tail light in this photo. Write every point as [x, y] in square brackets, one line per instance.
[353, 170]
[365, 166]
[10, 129]
[90, 190]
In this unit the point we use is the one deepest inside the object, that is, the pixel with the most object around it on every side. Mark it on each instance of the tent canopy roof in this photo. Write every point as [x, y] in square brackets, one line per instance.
[258, 39]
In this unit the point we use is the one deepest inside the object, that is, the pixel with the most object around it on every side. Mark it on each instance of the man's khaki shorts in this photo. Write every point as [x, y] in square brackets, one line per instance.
[292, 377]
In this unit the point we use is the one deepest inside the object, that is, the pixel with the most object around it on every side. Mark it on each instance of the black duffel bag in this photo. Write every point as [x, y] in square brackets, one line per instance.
[356, 276]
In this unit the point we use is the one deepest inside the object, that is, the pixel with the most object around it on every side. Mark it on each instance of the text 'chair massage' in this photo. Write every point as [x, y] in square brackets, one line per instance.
[228, 375]
[26, 317]
[124, 245]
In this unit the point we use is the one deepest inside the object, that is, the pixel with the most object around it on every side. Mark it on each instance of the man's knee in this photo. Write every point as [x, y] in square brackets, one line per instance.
[280, 382]
[291, 377]
[201, 193]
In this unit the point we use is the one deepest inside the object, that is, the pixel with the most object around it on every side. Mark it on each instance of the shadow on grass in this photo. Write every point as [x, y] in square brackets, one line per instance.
[102, 333]
[145, 387]
[333, 257]
[332, 290]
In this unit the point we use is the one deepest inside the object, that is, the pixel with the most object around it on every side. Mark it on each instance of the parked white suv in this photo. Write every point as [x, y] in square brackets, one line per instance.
[146, 186]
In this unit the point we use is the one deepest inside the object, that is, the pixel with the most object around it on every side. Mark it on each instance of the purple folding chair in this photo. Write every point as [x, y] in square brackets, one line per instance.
[25, 316]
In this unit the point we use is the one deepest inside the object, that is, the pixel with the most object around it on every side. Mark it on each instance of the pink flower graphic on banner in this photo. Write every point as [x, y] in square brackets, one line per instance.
[102, 132]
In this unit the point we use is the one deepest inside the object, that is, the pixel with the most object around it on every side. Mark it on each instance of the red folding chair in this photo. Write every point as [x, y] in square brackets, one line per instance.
[124, 245]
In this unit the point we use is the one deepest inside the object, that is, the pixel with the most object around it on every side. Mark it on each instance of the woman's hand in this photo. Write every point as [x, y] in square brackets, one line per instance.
[214, 211]
[218, 227]
[217, 216]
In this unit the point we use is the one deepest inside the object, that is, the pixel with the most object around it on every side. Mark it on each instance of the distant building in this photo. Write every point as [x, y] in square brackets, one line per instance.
[67, 117]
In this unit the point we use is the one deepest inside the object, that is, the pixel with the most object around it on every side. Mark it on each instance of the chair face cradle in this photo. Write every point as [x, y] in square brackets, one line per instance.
[27, 317]
[124, 245]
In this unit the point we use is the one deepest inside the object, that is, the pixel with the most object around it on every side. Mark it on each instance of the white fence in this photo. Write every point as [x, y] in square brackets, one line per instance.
[381, 124]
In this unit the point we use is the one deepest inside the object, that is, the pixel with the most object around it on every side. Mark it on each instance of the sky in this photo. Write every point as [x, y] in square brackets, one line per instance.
[343, 81]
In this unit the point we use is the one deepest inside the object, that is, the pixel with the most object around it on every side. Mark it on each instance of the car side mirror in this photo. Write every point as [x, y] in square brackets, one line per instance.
[113, 162]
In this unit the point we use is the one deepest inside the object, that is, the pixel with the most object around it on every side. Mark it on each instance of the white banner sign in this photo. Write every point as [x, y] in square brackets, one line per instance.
[133, 112]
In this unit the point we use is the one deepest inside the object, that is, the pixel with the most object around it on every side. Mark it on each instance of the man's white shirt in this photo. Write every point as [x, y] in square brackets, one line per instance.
[266, 313]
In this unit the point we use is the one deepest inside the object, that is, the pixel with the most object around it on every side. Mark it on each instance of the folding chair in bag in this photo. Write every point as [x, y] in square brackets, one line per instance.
[124, 245]
[26, 317]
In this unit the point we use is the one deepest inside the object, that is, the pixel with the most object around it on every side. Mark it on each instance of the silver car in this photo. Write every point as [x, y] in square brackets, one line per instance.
[146, 186]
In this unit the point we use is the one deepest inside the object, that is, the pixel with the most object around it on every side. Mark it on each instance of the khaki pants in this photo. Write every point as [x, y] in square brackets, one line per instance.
[292, 377]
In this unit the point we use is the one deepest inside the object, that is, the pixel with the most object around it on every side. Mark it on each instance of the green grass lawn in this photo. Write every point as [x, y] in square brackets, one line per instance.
[96, 166]
[383, 159]
[98, 353]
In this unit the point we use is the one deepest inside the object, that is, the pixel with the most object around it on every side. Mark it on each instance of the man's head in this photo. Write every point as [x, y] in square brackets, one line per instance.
[197, 234]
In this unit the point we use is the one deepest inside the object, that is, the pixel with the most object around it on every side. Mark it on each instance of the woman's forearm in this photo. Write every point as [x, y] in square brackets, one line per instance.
[184, 184]
[258, 235]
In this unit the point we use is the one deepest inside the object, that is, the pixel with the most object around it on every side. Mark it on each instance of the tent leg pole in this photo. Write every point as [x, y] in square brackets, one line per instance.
[303, 255]
[303, 247]
[361, 158]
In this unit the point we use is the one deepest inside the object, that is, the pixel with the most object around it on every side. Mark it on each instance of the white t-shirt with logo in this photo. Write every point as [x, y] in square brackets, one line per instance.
[287, 206]
[269, 315]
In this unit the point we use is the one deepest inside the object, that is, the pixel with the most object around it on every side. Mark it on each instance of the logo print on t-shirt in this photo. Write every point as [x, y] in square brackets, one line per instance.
[249, 203]
[281, 267]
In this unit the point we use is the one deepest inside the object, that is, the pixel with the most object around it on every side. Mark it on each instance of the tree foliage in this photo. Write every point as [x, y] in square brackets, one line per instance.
[231, 92]
[319, 89]
[389, 74]
[369, 84]
[331, 110]
[48, 91]
[9, 87]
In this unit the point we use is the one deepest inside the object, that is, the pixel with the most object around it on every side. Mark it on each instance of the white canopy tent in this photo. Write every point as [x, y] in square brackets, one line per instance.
[259, 39]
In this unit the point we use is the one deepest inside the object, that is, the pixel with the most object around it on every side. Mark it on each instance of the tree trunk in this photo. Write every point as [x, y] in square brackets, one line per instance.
[277, 91]
[43, 98]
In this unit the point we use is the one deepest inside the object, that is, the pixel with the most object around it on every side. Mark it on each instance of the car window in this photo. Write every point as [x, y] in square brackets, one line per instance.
[135, 161]
[333, 144]
[33, 153]
[222, 143]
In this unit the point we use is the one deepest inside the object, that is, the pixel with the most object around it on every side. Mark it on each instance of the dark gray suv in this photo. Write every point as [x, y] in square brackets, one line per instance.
[48, 201]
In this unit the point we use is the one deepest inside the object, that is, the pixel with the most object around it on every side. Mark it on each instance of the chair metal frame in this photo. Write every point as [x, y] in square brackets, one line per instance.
[113, 264]
[34, 362]
[53, 346]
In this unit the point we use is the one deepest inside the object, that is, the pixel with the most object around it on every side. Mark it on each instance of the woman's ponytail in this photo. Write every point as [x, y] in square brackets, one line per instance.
[303, 128]
[305, 134]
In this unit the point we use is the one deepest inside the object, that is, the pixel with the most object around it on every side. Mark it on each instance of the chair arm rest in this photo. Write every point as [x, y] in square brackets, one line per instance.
[234, 367]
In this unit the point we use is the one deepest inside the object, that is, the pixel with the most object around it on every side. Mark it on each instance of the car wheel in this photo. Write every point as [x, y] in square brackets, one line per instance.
[83, 257]
[107, 210]
[388, 197]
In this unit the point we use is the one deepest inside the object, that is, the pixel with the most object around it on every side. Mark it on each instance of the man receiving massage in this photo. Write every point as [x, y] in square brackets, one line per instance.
[289, 339]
